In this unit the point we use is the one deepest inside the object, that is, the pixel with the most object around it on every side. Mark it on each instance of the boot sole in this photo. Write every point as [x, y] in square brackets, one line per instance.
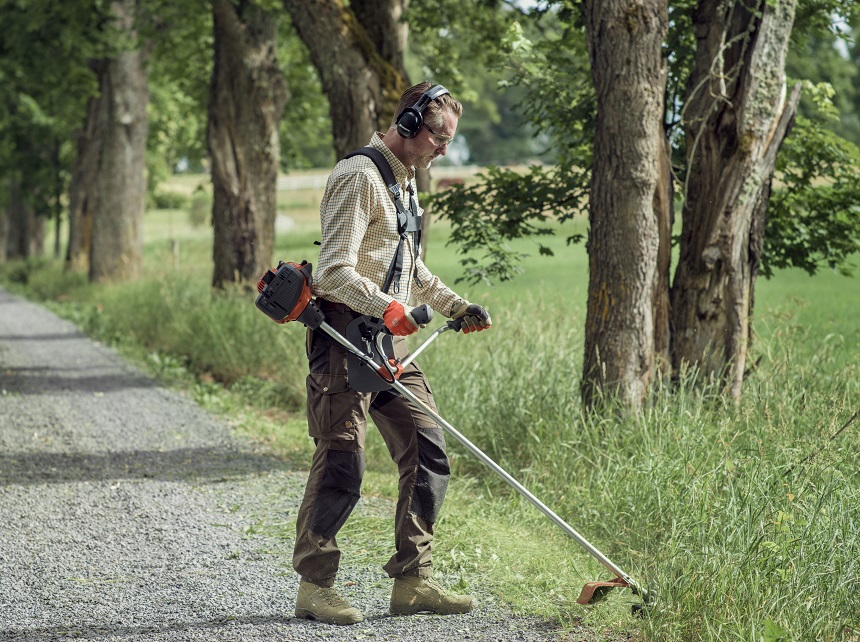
[407, 609]
[305, 614]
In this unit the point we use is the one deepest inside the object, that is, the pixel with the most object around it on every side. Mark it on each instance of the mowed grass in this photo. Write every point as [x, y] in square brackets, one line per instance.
[743, 518]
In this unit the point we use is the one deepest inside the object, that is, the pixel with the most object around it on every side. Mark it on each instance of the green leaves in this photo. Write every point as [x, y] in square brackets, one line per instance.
[508, 205]
[547, 63]
[814, 216]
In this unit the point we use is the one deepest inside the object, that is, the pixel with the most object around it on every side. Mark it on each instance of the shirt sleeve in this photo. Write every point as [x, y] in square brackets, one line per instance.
[432, 291]
[347, 212]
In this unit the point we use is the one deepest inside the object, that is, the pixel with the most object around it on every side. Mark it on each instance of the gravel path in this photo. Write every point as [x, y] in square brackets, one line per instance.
[127, 513]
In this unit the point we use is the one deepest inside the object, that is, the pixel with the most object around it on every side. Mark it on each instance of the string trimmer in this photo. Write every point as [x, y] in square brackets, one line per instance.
[285, 295]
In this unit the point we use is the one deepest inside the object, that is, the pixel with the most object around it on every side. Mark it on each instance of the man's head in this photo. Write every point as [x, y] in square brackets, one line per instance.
[425, 129]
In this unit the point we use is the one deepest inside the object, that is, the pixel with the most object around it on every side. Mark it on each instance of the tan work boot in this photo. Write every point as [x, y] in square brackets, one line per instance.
[323, 604]
[416, 594]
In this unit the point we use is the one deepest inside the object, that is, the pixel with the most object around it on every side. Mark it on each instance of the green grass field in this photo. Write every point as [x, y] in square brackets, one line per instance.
[744, 518]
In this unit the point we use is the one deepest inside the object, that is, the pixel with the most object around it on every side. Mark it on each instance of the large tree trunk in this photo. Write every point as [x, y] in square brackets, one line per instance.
[736, 117]
[82, 188]
[363, 84]
[116, 253]
[624, 41]
[246, 102]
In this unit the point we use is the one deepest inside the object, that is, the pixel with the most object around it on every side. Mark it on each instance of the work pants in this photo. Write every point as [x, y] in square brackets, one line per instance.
[337, 421]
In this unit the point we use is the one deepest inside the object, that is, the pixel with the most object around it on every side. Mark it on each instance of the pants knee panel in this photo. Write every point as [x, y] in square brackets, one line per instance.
[434, 471]
[339, 491]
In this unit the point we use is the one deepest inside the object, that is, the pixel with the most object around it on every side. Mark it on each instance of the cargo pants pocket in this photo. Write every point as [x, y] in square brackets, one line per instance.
[335, 411]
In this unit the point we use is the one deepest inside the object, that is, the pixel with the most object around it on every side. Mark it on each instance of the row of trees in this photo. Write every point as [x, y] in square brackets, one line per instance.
[635, 101]
[688, 107]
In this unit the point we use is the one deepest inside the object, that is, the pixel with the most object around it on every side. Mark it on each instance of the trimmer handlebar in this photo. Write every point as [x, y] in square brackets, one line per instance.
[422, 314]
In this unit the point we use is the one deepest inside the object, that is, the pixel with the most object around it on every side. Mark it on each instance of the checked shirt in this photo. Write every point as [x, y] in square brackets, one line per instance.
[358, 219]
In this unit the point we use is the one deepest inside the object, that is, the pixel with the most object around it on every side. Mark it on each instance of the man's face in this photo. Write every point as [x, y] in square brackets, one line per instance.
[432, 142]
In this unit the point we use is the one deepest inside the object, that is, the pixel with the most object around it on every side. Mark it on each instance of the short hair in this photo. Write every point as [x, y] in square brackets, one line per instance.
[433, 113]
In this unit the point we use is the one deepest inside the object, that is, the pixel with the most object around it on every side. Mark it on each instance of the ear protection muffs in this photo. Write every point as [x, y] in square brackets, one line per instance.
[409, 121]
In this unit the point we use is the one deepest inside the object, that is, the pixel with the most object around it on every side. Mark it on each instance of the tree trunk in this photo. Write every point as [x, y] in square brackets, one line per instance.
[624, 41]
[363, 86]
[82, 189]
[664, 210]
[116, 253]
[24, 231]
[385, 23]
[736, 117]
[246, 102]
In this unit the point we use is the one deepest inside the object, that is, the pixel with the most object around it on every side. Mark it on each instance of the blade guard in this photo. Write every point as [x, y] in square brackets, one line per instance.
[285, 295]
[593, 592]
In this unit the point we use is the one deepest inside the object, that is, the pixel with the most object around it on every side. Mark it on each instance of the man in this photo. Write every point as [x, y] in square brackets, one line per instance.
[357, 274]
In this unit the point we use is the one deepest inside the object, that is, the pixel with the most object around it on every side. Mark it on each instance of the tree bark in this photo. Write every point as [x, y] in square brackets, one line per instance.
[665, 212]
[246, 101]
[362, 83]
[737, 116]
[385, 23]
[624, 42]
[116, 253]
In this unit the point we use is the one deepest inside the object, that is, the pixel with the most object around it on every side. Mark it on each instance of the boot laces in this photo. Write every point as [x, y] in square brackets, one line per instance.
[331, 597]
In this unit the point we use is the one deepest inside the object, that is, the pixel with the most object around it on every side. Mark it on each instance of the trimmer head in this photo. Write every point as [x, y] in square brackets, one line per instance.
[593, 592]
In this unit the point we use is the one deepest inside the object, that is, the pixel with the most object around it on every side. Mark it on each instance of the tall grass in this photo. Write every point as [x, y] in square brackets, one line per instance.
[744, 518]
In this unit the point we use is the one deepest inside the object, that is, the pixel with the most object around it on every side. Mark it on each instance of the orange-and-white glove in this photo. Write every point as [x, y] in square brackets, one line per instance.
[398, 321]
[475, 318]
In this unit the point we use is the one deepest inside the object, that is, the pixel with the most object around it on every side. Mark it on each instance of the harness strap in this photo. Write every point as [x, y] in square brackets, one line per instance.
[407, 220]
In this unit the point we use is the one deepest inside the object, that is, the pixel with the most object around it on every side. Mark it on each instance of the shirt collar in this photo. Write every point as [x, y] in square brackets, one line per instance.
[401, 172]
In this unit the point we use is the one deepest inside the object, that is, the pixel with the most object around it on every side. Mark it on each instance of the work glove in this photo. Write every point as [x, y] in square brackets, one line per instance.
[398, 321]
[475, 318]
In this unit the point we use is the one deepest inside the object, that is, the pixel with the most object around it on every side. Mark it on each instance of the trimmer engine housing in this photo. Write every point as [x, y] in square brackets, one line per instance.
[285, 295]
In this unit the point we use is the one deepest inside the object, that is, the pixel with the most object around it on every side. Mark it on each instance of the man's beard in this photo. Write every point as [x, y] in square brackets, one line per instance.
[424, 162]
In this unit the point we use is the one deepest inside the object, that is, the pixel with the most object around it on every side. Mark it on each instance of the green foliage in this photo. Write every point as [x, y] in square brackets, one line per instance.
[168, 200]
[45, 83]
[814, 220]
[180, 72]
[505, 206]
[559, 105]
[451, 36]
[305, 129]
[818, 58]
[812, 223]
[466, 46]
